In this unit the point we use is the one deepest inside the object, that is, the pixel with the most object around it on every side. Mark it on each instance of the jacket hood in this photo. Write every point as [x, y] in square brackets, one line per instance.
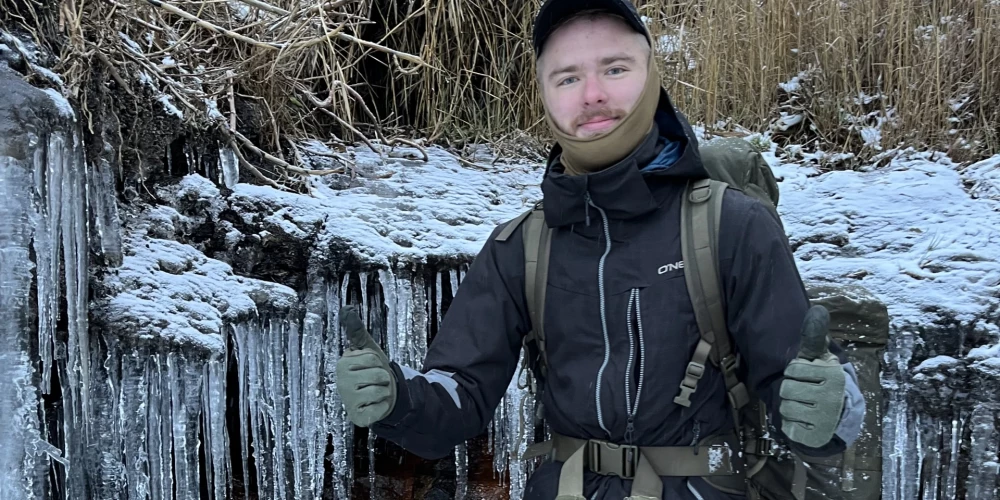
[634, 186]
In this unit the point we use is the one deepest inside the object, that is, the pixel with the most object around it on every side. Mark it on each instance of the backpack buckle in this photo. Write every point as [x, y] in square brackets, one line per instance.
[612, 459]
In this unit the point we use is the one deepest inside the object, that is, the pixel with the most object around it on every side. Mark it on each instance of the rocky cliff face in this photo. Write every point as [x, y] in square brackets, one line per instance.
[166, 329]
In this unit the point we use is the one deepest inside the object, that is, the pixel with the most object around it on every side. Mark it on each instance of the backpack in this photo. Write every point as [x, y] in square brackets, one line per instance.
[857, 320]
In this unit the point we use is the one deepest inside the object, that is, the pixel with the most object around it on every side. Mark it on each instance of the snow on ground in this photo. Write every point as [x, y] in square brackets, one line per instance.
[435, 208]
[909, 232]
[983, 178]
[168, 291]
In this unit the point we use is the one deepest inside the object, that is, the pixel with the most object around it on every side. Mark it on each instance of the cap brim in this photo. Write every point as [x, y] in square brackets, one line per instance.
[553, 12]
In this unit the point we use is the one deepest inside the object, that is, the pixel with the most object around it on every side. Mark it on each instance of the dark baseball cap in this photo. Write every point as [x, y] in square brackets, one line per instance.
[554, 12]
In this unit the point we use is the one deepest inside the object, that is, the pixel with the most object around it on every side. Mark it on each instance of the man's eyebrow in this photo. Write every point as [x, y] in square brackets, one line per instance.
[564, 69]
[620, 57]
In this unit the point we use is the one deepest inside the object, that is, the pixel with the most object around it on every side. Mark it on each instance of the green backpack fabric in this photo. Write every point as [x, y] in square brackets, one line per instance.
[857, 320]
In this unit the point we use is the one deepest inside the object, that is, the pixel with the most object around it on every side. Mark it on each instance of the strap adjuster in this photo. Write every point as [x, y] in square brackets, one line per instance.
[763, 447]
[694, 370]
[620, 460]
[729, 364]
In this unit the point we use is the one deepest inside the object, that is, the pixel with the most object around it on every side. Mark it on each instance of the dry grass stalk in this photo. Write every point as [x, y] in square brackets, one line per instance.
[292, 60]
[922, 73]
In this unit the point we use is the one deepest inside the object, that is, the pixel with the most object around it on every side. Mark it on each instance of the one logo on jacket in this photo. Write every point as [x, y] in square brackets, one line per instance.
[666, 268]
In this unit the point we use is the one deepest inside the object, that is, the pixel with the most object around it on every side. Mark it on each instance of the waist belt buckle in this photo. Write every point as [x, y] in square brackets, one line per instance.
[613, 459]
[766, 447]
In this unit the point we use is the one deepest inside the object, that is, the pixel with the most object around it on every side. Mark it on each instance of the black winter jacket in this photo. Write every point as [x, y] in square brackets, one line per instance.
[593, 282]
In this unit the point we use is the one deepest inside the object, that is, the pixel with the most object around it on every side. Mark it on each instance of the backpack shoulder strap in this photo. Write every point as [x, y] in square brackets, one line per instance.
[701, 211]
[537, 237]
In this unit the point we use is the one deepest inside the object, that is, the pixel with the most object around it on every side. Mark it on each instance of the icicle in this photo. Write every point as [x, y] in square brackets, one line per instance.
[275, 382]
[341, 429]
[216, 439]
[240, 340]
[951, 478]
[297, 431]
[899, 449]
[500, 435]
[983, 467]
[404, 322]
[388, 281]
[20, 472]
[65, 159]
[520, 427]
[437, 297]
[420, 323]
[308, 429]
[453, 275]
[185, 385]
[106, 232]
[158, 430]
[461, 471]
[48, 247]
[134, 396]
[170, 162]
[363, 277]
[230, 167]
[929, 438]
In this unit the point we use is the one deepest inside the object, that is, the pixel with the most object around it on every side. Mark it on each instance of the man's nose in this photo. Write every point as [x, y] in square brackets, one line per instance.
[594, 92]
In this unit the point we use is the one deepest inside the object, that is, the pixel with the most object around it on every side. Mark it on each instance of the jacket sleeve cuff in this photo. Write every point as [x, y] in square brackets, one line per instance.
[403, 405]
[853, 415]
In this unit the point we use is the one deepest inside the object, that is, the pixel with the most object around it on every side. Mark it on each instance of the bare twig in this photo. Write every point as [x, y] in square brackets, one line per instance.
[279, 162]
[232, 101]
[113, 71]
[252, 169]
[410, 143]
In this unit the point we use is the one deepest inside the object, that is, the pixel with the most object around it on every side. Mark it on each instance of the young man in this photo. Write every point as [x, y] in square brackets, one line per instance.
[620, 327]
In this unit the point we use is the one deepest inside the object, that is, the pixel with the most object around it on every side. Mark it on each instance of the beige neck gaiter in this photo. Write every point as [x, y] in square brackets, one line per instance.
[582, 156]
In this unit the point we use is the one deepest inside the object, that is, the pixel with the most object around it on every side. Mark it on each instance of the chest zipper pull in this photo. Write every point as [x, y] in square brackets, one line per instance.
[586, 207]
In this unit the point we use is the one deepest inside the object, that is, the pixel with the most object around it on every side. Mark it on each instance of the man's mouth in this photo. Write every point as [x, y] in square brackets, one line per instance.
[597, 122]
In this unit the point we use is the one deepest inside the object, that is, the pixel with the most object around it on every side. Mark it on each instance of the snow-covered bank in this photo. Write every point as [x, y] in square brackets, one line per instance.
[400, 209]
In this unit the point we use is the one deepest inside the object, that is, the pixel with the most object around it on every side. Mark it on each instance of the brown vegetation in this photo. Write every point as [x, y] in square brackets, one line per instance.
[923, 73]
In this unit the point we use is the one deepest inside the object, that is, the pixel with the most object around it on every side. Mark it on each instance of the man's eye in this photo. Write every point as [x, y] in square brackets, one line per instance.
[567, 81]
[616, 71]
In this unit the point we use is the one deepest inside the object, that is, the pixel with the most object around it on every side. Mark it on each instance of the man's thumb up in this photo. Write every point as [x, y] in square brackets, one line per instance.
[815, 341]
[358, 337]
[812, 392]
[365, 380]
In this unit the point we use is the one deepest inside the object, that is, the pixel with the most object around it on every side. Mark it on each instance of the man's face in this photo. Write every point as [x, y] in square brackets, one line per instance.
[592, 73]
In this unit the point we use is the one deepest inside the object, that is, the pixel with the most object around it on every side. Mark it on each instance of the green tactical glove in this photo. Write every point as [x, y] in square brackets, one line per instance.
[812, 393]
[365, 381]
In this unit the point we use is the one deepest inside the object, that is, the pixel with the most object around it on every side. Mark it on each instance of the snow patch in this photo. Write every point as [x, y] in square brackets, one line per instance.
[62, 105]
[169, 106]
[908, 232]
[795, 84]
[169, 291]
[409, 210]
[936, 363]
[984, 178]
